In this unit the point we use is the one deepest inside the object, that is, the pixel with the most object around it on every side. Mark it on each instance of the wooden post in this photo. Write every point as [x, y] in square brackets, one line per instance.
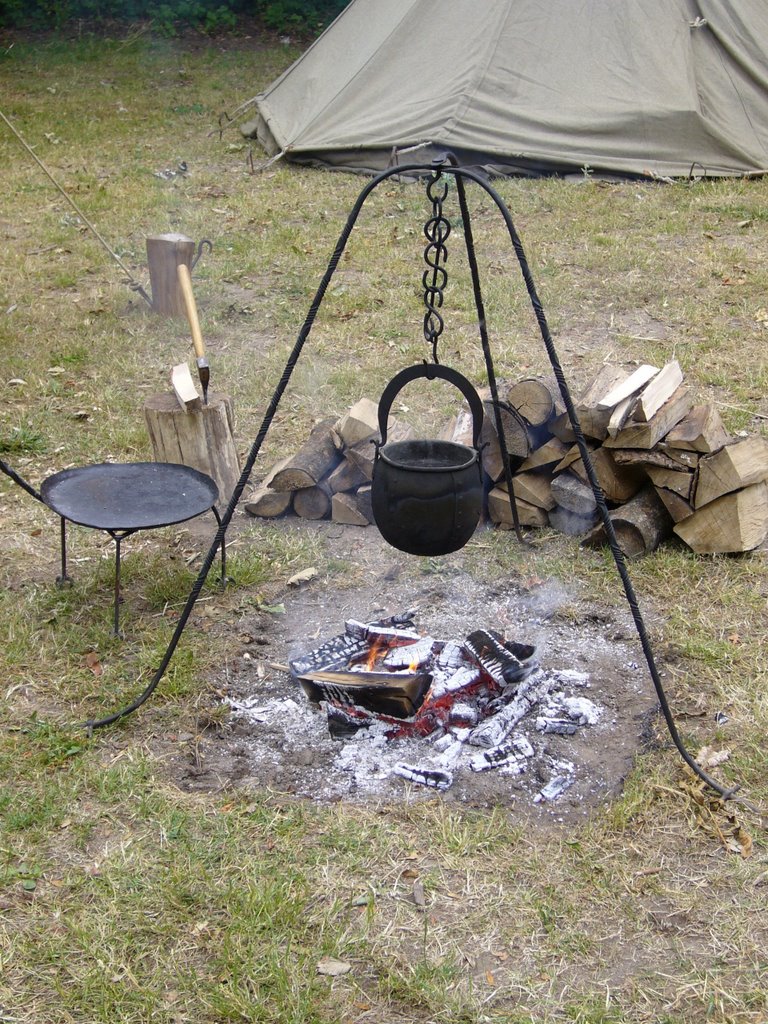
[164, 254]
[201, 438]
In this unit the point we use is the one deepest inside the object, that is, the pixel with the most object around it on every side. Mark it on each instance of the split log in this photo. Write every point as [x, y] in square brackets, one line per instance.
[202, 438]
[346, 477]
[640, 525]
[675, 504]
[184, 387]
[364, 501]
[314, 460]
[702, 430]
[734, 522]
[678, 480]
[536, 399]
[571, 523]
[735, 466]
[593, 421]
[641, 434]
[547, 454]
[360, 423]
[345, 509]
[629, 387]
[534, 488]
[164, 254]
[265, 502]
[658, 392]
[361, 456]
[618, 483]
[500, 510]
[313, 502]
[572, 494]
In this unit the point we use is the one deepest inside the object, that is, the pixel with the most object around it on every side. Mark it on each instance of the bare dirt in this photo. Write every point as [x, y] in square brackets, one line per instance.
[276, 739]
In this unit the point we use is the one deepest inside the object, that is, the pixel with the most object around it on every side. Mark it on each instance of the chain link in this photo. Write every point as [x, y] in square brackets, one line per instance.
[435, 277]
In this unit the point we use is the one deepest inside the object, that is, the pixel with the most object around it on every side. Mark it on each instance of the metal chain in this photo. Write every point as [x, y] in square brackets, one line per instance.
[435, 277]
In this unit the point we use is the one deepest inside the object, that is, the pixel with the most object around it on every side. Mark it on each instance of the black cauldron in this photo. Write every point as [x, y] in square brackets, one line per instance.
[427, 495]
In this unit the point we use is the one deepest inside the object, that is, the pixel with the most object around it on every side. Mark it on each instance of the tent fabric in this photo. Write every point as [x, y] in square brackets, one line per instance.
[633, 87]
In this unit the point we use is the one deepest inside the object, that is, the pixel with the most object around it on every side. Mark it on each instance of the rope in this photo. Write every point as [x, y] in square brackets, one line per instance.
[134, 284]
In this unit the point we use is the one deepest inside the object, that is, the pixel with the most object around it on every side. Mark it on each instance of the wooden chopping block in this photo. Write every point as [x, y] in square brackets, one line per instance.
[202, 437]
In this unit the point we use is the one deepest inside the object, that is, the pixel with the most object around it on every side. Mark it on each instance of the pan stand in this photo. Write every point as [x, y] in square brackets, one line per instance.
[118, 536]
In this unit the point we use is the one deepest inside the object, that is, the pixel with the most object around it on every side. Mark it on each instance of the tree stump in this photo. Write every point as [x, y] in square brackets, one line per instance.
[202, 438]
[164, 254]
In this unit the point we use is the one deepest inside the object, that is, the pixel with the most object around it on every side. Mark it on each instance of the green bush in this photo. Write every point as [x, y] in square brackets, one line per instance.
[168, 16]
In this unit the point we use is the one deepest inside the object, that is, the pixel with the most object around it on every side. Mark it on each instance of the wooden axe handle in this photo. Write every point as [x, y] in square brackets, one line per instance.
[185, 283]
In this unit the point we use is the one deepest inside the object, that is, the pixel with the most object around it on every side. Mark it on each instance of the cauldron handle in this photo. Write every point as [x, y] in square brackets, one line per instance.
[430, 371]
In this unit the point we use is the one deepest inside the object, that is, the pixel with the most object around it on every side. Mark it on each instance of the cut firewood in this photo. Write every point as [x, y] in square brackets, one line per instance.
[316, 458]
[734, 522]
[678, 480]
[516, 438]
[660, 390]
[735, 466]
[536, 399]
[618, 483]
[572, 456]
[345, 509]
[500, 510]
[620, 414]
[547, 454]
[364, 501]
[347, 476]
[313, 502]
[361, 422]
[593, 421]
[636, 434]
[463, 427]
[675, 504]
[702, 430]
[629, 387]
[572, 494]
[268, 504]
[534, 488]
[571, 523]
[184, 387]
[658, 456]
[264, 501]
[640, 525]
[362, 456]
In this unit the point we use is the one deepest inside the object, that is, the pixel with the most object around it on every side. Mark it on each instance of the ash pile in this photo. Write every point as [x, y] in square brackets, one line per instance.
[481, 704]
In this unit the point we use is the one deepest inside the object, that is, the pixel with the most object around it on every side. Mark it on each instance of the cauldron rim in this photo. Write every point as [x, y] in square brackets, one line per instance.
[396, 454]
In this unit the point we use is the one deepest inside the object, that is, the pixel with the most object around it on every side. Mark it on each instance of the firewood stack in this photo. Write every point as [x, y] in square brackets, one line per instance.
[664, 464]
[330, 475]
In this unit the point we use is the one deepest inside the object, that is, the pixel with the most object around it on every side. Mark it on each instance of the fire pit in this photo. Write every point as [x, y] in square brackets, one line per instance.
[387, 678]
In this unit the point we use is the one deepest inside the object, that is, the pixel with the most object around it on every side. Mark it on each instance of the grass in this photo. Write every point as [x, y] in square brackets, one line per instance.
[125, 896]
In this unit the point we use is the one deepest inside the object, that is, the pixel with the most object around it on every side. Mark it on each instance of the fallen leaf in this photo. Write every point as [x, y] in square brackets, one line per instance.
[418, 894]
[93, 663]
[302, 577]
[490, 978]
[333, 968]
[410, 873]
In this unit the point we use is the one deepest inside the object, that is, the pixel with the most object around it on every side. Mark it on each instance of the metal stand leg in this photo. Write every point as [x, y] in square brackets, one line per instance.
[223, 580]
[63, 579]
[116, 629]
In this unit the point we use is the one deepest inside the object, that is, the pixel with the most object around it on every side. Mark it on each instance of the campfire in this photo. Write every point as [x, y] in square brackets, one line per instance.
[483, 700]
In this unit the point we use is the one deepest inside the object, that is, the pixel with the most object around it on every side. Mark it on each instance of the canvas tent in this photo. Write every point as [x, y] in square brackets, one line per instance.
[634, 87]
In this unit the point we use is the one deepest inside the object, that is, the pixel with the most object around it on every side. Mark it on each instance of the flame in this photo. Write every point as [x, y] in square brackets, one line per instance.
[377, 649]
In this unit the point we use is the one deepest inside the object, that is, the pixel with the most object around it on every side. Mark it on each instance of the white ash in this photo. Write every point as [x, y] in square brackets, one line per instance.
[367, 762]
